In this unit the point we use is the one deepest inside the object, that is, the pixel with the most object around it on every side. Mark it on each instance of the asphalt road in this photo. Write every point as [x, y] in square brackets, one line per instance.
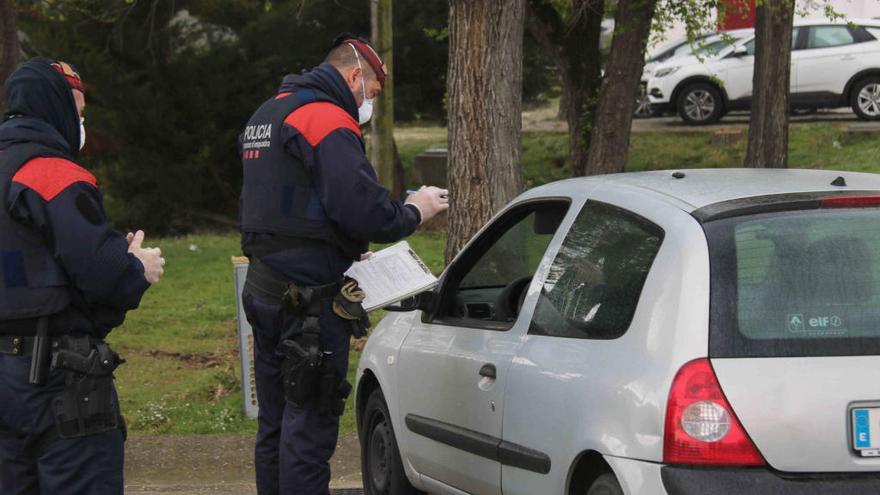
[740, 120]
[545, 121]
[216, 464]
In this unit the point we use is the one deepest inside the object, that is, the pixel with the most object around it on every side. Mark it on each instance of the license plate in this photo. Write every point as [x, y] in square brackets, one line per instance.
[866, 431]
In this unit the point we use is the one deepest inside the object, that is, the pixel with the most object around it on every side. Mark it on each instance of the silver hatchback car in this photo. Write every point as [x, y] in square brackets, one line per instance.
[695, 332]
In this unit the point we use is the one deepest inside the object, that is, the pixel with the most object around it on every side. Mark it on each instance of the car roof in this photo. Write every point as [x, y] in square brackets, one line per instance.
[824, 21]
[702, 187]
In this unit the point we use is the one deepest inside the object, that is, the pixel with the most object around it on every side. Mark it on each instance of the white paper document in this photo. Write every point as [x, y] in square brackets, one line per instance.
[391, 275]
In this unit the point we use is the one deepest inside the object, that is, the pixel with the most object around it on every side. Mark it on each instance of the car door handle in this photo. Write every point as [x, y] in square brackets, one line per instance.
[848, 58]
[488, 370]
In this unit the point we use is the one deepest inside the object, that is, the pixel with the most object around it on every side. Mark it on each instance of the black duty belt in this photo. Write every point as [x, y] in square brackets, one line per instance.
[270, 286]
[21, 345]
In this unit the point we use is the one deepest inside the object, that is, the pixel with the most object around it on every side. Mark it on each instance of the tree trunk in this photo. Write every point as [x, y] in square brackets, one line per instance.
[609, 137]
[485, 106]
[8, 46]
[382, 123]
[573, 46]
[768, 125]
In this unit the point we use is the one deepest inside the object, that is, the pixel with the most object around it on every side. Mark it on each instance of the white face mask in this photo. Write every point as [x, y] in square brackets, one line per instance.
[82, 133]
[365, 111]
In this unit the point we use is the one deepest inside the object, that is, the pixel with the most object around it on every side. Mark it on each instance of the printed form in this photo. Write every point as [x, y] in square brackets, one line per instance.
[391, 275]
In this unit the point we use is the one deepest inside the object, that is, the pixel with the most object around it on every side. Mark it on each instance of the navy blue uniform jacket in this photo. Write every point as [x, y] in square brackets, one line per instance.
[345, 180]
[60, 200]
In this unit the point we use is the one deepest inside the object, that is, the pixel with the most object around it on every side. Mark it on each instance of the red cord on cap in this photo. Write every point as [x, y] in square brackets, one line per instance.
[366, 51]
[72, 77]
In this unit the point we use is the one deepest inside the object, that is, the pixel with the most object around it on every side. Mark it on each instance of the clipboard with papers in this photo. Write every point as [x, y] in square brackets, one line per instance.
[391, 275]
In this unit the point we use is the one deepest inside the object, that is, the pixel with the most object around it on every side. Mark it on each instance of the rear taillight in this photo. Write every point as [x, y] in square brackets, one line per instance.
[701, 427]
[850, 201]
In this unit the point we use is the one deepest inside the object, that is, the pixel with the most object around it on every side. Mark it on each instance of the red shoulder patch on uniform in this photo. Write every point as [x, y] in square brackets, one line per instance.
[49, 176]
[316, 120]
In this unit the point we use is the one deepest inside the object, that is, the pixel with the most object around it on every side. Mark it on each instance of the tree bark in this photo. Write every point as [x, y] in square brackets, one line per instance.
[382, 123]
[768, 124]
[485, 106]
[609, 137]
[573, 46]
[399, 189]
[8, 46]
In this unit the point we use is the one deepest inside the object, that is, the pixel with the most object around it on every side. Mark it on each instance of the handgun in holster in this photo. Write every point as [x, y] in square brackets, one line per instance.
[301, 368]
[88, 403]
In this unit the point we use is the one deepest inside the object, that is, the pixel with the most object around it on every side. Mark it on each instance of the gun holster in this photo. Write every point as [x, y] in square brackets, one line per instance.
[301, 368]
[310, 379]
[88, 403]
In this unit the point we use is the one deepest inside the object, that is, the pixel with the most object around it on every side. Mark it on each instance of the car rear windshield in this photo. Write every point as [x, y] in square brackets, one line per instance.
[796, 283]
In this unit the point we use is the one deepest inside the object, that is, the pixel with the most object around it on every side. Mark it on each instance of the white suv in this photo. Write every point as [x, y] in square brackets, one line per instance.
[708, 44]
[833, 64]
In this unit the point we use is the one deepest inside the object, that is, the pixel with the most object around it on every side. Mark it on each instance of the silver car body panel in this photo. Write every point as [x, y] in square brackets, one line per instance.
[565, 396]
[568, 386]
[796, 410]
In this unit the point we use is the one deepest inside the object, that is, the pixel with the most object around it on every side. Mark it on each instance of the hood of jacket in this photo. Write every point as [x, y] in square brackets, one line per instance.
[40, 100]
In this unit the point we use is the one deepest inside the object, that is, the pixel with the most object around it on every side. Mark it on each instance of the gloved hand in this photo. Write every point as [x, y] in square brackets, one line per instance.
[151, 258]
[430, 201]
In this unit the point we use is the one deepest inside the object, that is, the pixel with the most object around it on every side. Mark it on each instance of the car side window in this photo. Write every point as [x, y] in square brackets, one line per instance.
[596, 280]
[750, 46]
[484, 287]
[829, 36]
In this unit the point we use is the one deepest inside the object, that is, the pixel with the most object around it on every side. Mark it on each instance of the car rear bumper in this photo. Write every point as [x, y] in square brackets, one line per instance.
[691, 481]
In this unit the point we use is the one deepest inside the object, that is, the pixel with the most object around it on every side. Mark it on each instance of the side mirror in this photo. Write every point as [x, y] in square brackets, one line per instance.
[418, 302]
[740, 51]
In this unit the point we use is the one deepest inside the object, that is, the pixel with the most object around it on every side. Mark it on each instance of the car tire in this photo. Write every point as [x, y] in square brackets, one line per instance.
[605, 484]
[700, 104]
[865, 98]
[643, 108]
[381, 465]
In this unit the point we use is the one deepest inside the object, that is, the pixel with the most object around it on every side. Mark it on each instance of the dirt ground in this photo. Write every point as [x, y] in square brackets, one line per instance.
[215, 464]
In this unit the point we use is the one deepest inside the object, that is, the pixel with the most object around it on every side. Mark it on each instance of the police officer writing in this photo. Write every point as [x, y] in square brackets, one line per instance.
[66, 280]
[311, 204]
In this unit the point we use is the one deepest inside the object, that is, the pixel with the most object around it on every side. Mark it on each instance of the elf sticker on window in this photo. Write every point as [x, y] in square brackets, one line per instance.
[816, 324]
[796, 323]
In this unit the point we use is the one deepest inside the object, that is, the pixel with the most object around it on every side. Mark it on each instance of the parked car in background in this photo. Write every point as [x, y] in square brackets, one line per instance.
[833, 64]
[704, 45]
[704, 331]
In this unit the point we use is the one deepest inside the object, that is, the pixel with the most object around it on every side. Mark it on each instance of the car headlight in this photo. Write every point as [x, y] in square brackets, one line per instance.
[665, 71]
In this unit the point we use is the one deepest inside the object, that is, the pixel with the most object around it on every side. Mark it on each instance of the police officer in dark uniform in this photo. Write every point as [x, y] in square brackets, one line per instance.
[311, 204]
[66, 280]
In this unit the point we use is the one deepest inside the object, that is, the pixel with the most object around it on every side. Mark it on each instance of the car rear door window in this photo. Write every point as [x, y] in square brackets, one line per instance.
[829, 36]
[802, 283]
[595, 282]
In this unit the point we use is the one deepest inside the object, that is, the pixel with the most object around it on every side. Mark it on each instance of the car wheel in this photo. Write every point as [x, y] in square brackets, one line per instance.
[643, 108]
[383, 472]
[700, 104]
[605, 484]
[866, 98]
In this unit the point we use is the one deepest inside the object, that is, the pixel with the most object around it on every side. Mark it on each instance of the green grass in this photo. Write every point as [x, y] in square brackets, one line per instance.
[545, 154]
[183, 374]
